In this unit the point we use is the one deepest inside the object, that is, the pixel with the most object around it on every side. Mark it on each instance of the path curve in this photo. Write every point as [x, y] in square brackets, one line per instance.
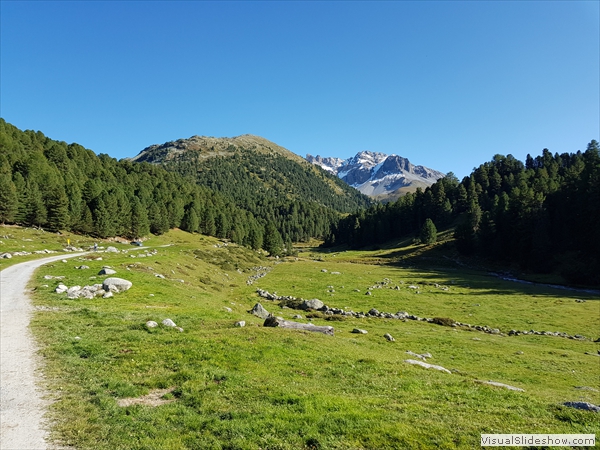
[22, 402]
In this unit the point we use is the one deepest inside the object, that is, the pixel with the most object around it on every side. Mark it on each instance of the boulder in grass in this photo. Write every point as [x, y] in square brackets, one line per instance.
[151, 324]
[312, 304]
[259, 311]
[168, 323]
[111, 250]
[114, 284]
[107, 271]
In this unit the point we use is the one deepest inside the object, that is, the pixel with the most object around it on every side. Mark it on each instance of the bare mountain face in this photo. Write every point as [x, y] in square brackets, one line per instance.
[206, 147]
[385, 177]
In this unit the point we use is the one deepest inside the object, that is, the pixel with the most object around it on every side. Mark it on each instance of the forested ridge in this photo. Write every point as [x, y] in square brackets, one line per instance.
[542, 215]
[60, 186]
[302, 200]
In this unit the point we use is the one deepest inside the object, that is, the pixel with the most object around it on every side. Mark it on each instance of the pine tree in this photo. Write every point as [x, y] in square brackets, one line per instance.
[58, 208]
[273, 243]
[428, 233]
[140, 225]
[190, 221]
[8, 199]
[35, 210]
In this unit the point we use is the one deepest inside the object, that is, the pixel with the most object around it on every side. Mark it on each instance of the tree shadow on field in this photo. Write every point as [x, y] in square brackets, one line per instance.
[439, 264]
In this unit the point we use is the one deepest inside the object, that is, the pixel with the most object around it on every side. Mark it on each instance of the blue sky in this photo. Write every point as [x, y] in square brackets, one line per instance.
[446, 84]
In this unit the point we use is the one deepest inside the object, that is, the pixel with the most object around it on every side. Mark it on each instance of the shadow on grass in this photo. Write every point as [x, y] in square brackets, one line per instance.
[441, 263]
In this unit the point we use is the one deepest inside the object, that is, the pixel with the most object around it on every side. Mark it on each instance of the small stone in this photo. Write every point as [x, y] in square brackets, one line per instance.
[64, 260]
[179, 329]
[111, 250]
[241, 323]
[168, 323]
[107, 271]
[82, 267]
[151, 324]
[109, 294]
[228, 309]
[583, 405]
[359, 331]
[426, 365]
[502, 385]
[389, 337]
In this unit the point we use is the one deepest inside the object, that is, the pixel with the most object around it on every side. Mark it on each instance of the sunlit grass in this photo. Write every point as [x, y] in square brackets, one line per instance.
[257, 387]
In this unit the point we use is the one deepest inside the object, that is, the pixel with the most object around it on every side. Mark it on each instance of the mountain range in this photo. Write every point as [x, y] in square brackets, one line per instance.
[378, 175]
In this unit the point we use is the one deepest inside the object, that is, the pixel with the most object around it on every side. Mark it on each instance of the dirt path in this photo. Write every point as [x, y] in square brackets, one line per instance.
[22, 402]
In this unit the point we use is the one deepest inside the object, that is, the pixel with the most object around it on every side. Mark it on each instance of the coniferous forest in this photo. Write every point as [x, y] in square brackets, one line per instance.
[540, 215]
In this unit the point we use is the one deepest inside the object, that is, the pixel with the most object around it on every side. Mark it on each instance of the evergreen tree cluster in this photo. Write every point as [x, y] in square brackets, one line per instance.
[302, 201]
[59, 186]
[542, 215]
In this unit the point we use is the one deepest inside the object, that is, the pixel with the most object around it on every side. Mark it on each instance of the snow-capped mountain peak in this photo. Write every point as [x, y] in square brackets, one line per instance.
[378, 174]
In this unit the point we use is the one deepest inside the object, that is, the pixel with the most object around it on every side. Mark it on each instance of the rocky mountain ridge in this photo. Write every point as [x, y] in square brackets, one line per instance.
[377, 174]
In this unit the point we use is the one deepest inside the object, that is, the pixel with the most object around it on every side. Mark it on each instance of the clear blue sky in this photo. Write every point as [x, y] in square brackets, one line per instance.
[446, 84]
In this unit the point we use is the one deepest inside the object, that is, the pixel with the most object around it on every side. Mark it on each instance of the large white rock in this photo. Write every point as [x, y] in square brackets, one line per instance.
[116, 284]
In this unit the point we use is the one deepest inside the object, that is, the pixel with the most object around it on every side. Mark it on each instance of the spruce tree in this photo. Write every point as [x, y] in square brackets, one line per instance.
[428, 233]
[273, 243]
[8, 199]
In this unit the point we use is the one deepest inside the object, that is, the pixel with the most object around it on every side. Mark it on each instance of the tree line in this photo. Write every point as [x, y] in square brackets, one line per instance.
[59, 186]
[541, 215]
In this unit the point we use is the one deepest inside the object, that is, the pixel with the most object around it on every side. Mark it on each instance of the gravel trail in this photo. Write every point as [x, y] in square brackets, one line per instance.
[22, 403]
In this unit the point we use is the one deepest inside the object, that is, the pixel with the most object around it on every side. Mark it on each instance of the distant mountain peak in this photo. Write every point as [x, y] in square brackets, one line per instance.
[377, 174]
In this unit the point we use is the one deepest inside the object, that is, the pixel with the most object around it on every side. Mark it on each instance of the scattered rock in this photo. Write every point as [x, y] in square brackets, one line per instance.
[241, 323]
[107, 271]
[324, 270]
[423, 356]
[111, 250]
[312, 304]
[82, 267]
[259, 311]
[151, 324]
[389, 337]
[108, 295]
[6, 255]
[426, 365]
[502, 385]
[116, 284]
[61, 288]
[297, 316]
[228, 309]
[582, 405]
[359, 331]
[586, 388]
[158, 275]
[168, 323]
[179, 329]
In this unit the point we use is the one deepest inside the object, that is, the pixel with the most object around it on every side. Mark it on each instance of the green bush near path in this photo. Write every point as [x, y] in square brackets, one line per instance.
[256, 387]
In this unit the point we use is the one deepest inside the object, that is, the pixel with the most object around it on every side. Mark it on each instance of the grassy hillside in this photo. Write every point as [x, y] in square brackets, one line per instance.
[255, 387]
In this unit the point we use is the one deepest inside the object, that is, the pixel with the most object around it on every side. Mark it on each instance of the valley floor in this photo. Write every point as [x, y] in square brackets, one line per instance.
[219, 386]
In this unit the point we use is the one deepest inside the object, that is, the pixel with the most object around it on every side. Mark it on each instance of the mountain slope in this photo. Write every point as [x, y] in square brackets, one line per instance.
[379, 175]
[264, 178]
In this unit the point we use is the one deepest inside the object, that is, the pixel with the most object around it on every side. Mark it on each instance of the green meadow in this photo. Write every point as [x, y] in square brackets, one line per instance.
[226, 387]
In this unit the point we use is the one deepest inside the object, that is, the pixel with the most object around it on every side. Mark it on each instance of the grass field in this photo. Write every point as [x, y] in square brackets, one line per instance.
[226, 387]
